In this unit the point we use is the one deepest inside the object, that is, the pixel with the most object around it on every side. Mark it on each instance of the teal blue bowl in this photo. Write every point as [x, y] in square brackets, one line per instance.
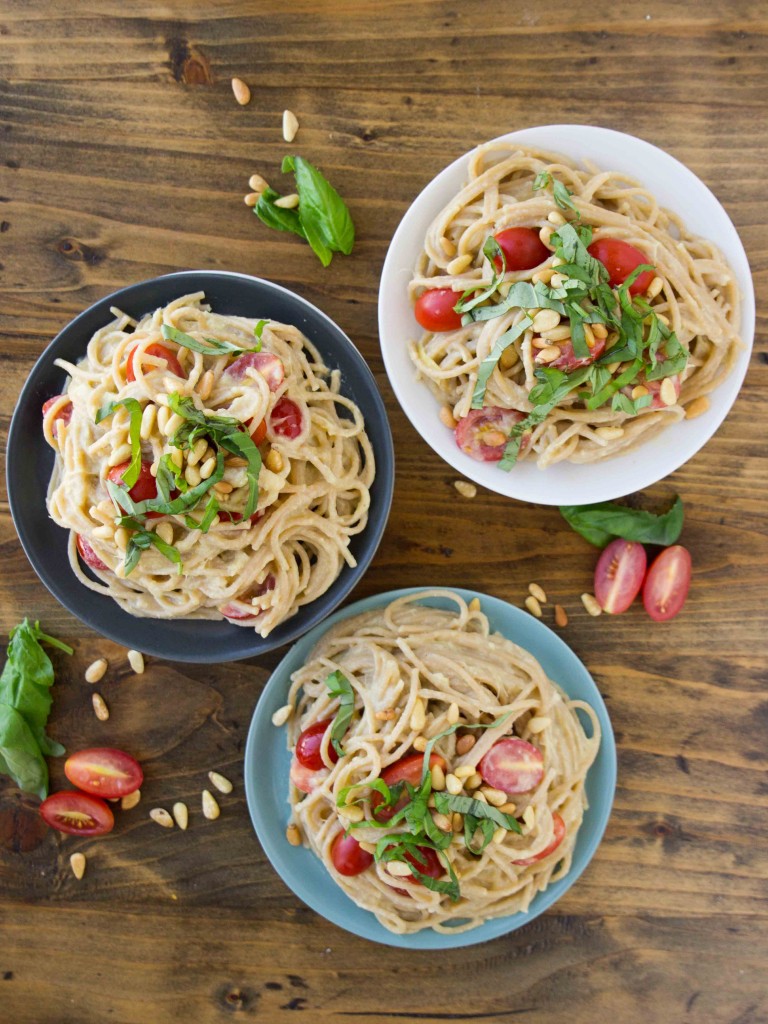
[267, 762]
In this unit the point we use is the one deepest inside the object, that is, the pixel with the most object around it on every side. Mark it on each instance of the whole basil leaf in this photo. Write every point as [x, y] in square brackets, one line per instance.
[323, 214]
[20, 753]
[275, 216]
[606, 520]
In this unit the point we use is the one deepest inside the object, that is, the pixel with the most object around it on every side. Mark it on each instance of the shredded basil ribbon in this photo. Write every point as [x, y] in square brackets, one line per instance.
[211, 346]
[488, 364]
[131, 475]
[339, 686]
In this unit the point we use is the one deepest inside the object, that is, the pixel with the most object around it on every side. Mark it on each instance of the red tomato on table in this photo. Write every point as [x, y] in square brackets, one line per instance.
[104, 771]
[77, 813]
[619, 574]
[666, 585]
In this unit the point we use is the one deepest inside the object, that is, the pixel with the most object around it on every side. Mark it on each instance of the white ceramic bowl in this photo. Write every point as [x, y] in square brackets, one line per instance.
[676, 188]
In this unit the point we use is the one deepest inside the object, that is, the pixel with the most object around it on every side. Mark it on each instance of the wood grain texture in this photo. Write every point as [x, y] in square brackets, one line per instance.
[123, 155]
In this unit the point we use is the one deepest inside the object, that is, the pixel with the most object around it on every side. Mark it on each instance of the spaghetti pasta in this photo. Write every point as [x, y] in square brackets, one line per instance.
[440, 846]
[624, 354]
[207, 466]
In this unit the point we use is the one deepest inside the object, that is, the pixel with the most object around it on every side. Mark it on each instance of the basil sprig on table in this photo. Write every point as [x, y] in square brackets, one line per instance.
[321, 218]
[602, 522]
[211, 346]
[25, 703]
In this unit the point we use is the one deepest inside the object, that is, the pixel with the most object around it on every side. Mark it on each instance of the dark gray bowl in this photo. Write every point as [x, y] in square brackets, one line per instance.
[30, 462]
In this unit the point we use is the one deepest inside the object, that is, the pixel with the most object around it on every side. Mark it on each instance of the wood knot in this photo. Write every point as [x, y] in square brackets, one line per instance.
[79, 252]
[367, 134]
[236, 999]
[21, 827]
[188, 65]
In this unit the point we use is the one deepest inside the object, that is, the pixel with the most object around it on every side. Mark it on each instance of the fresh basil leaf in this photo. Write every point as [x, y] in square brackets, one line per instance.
[542, 179]
[258, 330]
[471, 298]
[522, 295]
[210, 347]
[141, 540]
[322, 214]
[490, 361]
[628, 376]
[562, 195]
[275, 216]
[606, 520]
[675, 361]
[447, 803]
[379, 785]
[131, 475]
[211, 510]
[623, 403]
[20, 754]
[339, 686]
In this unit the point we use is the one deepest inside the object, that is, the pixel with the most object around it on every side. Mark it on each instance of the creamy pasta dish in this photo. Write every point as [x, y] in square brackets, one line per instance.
[207, 466]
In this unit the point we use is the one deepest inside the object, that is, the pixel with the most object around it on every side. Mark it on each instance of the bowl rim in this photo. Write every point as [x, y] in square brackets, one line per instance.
[296, 865]
[564, 483]
[245, 643]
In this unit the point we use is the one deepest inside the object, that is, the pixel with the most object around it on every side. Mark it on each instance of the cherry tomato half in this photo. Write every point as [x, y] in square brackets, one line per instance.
[427, 862]
[159, 352]
[567, 360]
[64, 414]
[259, 432]
[88, 555]
[348, 856]
[407, 769]
[666, 585]
[522, 248]
[286, 420]
[620, 259]
[619, 574]
[434, 310]
[77, 813]
[145, 486]
[241, 608]
[558, 828]
[266, 363]
[104, 771]
[483, 433]
[305, 779]
[512, 765]
[308, 746]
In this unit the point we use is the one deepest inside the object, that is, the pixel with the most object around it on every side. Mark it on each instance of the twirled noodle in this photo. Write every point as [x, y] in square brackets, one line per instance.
[313, 485]
[697, 298]
[410, 657]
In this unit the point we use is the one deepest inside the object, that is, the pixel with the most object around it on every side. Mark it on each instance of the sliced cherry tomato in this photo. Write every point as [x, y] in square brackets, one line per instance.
[259, 433]
[286, 420]
[666, 585]
[308, 746]
[64, 414]
[512, 765]
[348, 856]
[483, 433]
[88, 555]
[305, 779]
[567, 359]
[144, 488]
[267, 364]
[522, 248]
[104, 771]
[427, 862]
[244, 609]
[407, 769]
[620, 259]
[434, 310]
[558, 828]
[159, 352]
[619, 574]
[77, 813]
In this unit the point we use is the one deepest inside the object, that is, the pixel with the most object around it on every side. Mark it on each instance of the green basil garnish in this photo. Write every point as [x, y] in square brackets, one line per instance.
[339, 686]
[606, 520]
[131, 475]
[210, 347]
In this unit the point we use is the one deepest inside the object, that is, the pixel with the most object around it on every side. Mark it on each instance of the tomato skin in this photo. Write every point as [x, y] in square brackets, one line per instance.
[104, 771]
[567, 360]
[236, 611]
[78, 814]
[522, 248]
[407, 769]
[558, 826]
[145, 486]
[159, 352]
[434, 310]
[304, 779]
[308, 746]
[348, 856]
[64, 414]
[286, 419]
[483, 433]
[620, 259]
[512, 765]
[259, 433]
[619, 575]
[88, 555]
[667, 583]
[266, 363]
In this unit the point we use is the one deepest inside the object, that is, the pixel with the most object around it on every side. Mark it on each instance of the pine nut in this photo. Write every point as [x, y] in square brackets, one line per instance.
[173, 424]
[474, 604]
[591, 605]
[274, 460]
[464, 771]
[386, 715]
[398, 869]
[446, 417]
[543, 276]
[130, 800]
[199, 449]
[457, 822]
[546, 320]
[465, 488]
[163, 415]
[352, 812]
[639, 392]
[205, 385]
[610, 433]
[556, 218]
[77, 863]
[220, 782]
[136, 661]
[420, 744]
[459, 264]
[251, 198]
[589, 336]
[464, 744]
[453, 784]
[529, 816]
[538, 724]
[668, 392]
[119, 455]
[556, 280]
[181, 815]
[164, 531]
[257, 183]
[448, 247]
[100, 708]
[442, 821]
[223, 487]
[546, 234]
[192, 475]
[533, 606]
[96, 670]
[210, 807]
[474, 781]
[161, 816]
[613, 367]
[559, 333]
[508, 357]
[499, 835]
[208, 467]
[548, 354]
[654, 288]
[538, 592]
[480, 796]
[431, 804]
[453, 713]
[121, 538]
[697, 407]
[495, 797]
[290, 125]
[293, 835]
[418, 715]
[282, 715]
[438, 778]
[148, 418]
[509, 808]
[289, 202]
[368, 847]
[561, 616]
[537, 342]
[600, 330]
[241, 91]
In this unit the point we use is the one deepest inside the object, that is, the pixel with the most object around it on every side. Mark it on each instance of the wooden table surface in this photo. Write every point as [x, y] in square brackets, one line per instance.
[124, 156]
